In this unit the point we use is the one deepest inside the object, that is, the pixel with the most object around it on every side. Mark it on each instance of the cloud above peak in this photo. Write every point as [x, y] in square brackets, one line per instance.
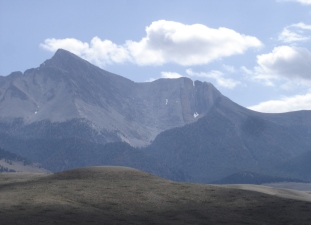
[173, 42]
[165, 42]
[99, 52]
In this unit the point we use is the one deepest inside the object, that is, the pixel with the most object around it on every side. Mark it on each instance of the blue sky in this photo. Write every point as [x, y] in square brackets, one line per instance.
[255, 52]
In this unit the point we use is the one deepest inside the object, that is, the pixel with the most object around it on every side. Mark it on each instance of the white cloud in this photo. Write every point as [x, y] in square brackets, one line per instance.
[75, 46]
[165, 42]
[295, 33]
[284, 62]
[218, 76]
[171, 75]
[286, 104]
[304, 2]
[168, 41]
[99, 52]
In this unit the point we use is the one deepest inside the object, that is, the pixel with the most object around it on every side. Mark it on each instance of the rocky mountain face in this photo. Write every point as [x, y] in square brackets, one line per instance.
[67, 89]
[68, 113]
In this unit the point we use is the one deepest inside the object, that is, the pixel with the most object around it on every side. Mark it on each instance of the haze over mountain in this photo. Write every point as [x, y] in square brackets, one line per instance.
[63, 113]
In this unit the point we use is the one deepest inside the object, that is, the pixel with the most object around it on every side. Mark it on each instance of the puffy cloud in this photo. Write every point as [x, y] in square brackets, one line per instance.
[295, 32]
[287, 62]
[168, 41]
[218, 76]
[286, 104]
[171, 75]
[165, 42]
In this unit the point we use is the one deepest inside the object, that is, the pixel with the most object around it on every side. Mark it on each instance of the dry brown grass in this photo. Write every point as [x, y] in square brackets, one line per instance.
[118, 195]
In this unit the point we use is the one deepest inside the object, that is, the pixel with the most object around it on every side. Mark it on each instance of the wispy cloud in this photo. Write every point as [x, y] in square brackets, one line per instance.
[286, 104]
[295, 33]
[216, 75]
[165, 42]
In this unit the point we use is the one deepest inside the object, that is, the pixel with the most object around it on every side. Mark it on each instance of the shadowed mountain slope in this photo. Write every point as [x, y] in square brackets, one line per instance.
[67, 153]
[298, 166]
[231, 139]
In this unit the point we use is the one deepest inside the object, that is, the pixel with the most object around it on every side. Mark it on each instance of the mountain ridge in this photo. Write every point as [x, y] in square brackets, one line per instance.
[66, 87]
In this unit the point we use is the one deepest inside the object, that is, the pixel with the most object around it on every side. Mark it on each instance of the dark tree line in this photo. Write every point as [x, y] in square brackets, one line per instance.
[5, 169]
[11, 157]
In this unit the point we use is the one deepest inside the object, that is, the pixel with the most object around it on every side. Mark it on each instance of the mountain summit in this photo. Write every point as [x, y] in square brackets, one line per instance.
[66, 88]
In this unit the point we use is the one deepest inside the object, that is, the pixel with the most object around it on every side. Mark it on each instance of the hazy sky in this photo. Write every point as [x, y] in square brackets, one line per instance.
[256, 52]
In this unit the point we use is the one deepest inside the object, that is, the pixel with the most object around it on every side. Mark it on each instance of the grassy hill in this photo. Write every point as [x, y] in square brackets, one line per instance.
[121, 195]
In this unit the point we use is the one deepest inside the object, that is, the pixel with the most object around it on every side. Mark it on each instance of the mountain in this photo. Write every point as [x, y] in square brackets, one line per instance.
[298, 166]
[121, 195]
[232, 139]
[69, 113]
[69, 90]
